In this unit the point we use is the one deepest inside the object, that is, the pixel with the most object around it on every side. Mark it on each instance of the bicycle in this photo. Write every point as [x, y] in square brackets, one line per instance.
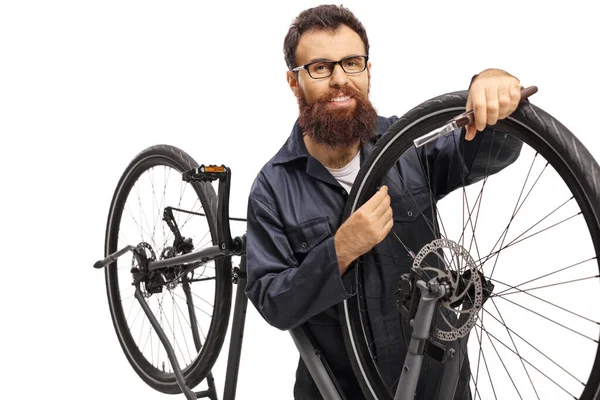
[447, 284]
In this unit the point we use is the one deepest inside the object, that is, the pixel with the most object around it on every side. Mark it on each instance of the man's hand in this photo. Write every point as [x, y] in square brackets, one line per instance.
[366, 227]
[494, 94]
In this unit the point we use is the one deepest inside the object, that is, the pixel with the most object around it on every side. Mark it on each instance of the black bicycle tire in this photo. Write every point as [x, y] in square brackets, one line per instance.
[205, 360]
[561, 142]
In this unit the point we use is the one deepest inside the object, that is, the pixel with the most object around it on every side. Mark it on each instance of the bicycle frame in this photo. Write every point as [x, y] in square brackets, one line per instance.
[309, 351]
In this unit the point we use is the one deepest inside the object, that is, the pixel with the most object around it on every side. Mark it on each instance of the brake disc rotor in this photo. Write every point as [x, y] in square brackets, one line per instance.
[457, 313]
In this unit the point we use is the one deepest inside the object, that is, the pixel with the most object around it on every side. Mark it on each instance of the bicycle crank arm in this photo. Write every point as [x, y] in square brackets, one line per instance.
[210, 173]
[113, 257]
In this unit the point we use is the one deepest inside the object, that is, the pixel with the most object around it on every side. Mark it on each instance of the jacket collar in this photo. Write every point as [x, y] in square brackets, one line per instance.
[294, 148]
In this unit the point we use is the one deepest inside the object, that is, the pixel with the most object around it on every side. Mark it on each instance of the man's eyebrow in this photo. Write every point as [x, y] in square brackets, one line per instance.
[312, 60]
[330, 60]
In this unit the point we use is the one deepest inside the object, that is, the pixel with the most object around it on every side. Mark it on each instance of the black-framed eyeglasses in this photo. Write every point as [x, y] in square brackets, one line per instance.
[323, 69]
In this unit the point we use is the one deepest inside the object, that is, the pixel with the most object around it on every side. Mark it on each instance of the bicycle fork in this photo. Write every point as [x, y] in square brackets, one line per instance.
[430, 294]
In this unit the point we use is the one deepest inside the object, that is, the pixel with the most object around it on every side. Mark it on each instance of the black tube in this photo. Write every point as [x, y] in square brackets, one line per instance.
[315, 365]
[163, 338]
[237, 335]
[209, 252]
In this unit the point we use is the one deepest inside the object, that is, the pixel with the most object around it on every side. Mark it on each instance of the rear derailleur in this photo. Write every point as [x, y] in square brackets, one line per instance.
[154, 281]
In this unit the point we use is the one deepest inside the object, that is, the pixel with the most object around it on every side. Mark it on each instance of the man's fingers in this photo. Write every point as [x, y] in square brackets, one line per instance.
[503, 102]
[515, 98]
[492, 106]
[386, 215]
[382, 207]
[387, 228]
[471, 132]
[469, 106]
[477, 94]
[493, 96]
[374, 201]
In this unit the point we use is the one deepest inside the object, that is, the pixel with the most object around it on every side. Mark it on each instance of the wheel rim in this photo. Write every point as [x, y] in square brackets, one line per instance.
[541, 370]
[153, 184]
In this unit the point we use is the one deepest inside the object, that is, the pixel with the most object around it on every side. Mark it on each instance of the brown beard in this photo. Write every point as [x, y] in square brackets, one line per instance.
[337, 128]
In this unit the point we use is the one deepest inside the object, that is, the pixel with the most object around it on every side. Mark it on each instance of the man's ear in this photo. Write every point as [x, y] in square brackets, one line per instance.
[292, 80]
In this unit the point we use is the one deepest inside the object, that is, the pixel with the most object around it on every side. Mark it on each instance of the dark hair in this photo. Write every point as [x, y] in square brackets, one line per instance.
[326, 17]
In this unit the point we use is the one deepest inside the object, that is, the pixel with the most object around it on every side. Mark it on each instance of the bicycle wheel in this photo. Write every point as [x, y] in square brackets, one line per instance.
[191, 302]
[516, 236]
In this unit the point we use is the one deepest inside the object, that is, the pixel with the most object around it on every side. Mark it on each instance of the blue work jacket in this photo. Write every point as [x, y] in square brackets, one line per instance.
[295, 207]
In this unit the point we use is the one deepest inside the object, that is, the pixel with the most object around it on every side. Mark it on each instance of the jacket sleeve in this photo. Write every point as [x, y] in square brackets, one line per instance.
[285, 291]
[455, 162]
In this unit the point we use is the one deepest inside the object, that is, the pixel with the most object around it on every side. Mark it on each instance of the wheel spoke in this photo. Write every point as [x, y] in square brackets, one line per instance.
[195, 306]
[469, 222]
[543, 276]
[509, 331]
[432, 203]
[383, 334]
[549, 319]
[540, 221]
[156, 207]
[512, 243]
[515, 210]
[138, 224]
[183, 333]
[435, 214]
[503, 295]
[479, 199]
[175, 343]
[500, 358]
[492, 253]
[144, 218]
[481, 355]
[543, 354]
[526, 291]
[529, 363]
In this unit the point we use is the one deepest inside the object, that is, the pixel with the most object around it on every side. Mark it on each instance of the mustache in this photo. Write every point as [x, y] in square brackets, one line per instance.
[341, 92]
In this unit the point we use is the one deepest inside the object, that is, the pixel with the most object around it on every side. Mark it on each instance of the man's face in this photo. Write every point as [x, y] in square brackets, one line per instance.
[329, 45]
[334, 111]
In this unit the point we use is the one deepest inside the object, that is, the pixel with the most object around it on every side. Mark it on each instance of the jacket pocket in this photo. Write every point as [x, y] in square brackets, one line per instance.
[304, 237]
[409, 206]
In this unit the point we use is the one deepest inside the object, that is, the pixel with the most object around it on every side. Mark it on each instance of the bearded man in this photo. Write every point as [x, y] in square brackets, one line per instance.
[298, 249]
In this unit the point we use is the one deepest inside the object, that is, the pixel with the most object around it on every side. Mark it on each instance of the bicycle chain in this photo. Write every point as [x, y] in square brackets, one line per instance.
[204, 215]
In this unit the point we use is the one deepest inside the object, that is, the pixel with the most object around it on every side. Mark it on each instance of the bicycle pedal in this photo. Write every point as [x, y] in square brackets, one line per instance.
[206, 173]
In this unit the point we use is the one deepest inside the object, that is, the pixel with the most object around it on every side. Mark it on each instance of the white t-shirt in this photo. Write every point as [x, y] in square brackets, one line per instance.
[347, 174]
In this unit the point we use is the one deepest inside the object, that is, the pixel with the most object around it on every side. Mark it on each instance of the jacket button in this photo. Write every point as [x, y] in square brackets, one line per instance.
[410, 213]
[304, 245]
[344, 192]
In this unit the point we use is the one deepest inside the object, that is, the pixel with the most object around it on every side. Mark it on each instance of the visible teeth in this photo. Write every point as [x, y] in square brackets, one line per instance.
[340, 99]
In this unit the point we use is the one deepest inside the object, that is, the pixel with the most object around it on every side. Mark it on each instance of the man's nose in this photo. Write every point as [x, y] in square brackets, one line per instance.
[338, 77]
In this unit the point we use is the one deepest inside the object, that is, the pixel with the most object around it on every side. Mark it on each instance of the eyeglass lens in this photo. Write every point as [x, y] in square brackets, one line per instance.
[351, 65]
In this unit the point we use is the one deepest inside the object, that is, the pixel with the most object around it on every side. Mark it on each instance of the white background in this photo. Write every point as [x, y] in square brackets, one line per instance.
[85, 86]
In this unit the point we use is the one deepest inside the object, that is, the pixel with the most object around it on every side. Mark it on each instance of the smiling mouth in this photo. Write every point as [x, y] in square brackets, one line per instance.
[341, 99]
